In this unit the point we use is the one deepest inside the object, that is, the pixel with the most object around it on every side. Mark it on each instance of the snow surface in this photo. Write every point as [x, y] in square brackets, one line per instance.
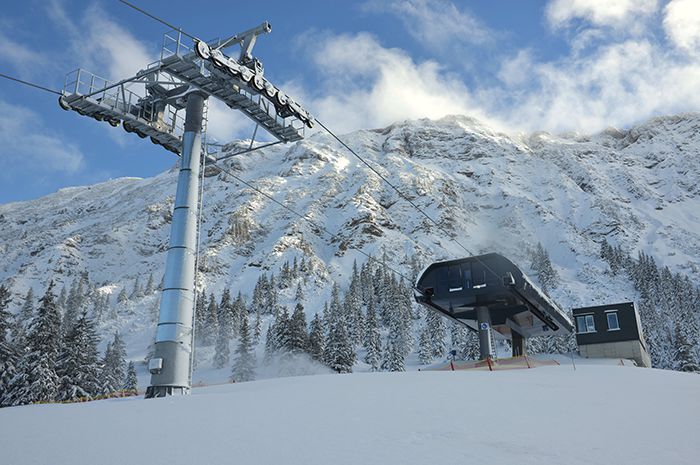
[549, 415]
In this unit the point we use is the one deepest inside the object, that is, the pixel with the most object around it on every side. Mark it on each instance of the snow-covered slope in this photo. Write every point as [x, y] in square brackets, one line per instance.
[637, 188]
[549, 415]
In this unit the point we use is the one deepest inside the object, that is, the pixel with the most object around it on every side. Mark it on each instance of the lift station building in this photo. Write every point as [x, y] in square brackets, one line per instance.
[611, 331]
[489, 292]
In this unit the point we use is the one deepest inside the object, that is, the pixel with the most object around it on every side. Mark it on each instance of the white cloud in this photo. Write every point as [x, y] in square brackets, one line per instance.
[29, 147]
[367, 85]
[99, 45]
[22, 58]
[619, 84]
[615, 13]
[682, 24]
[225, 124]
[437, 24]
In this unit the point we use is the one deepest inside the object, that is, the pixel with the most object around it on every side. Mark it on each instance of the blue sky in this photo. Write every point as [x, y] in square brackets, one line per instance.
[519, 66]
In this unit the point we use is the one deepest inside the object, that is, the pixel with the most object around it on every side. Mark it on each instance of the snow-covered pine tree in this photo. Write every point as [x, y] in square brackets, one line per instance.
[35, 378]
[78, 365]
[136, 291]
[210, 328]
[244, 364]
[200, 318]
[353, 307]
[225, 316]
[436, 335]
[540, 263]
[150, 285]
[222, 352]
[5, 316]
[131, 381]
[464, 342]
[122, 297]
[270, 349]
[372, 340]
[316, 338]
[425, 347]
[299, 294]
[281, 332]
[298, 338]
[394, 355]
[339, 353]
[26, 313]
[113, 365]
[9, 355]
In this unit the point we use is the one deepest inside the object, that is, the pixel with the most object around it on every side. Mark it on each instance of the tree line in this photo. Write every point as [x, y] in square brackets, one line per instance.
[49, 353]
[669, 308]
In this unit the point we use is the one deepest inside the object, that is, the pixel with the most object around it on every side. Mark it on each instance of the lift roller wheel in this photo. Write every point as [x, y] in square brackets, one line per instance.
[233, 67]
[270, 90]
[202, 49]
[246, 74]
[127, 127]
[257, 82]
[114, 122]
[281, 99]
[63, 103]
[219, 60]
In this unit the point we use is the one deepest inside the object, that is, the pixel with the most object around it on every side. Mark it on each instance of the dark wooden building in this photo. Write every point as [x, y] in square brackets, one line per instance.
[611, 331]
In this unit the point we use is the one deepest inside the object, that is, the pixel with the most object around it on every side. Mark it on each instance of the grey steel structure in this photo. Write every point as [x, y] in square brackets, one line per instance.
[151, 104]
[489, 292]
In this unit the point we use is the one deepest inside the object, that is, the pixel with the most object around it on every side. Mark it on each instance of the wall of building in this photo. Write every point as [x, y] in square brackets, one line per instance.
[633, 350]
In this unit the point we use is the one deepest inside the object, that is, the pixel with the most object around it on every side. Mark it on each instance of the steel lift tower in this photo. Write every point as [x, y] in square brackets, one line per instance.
[151, 104]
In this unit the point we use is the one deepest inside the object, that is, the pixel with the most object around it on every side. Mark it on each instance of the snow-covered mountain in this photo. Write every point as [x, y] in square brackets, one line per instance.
[639, 188]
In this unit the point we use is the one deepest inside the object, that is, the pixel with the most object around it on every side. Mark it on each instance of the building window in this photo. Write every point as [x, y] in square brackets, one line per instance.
[585, 324]
[613, 324]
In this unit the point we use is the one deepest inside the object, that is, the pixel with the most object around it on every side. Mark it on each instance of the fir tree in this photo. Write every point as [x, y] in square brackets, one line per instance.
[210, 329]
[436, 334]
[244, 365]
[540, 263]
[222, 350]
[131, 382]
[78, 365]
[150, 285]
[9, 356]
[5, 315]
[372, 340]
[114, 365]
[122, 298]
[35, 378]
[298, 339]
[299, 294]
[26, 313]
[425, 349]
[316, 339]
[339, 353]
[200, 318]
[137, 291]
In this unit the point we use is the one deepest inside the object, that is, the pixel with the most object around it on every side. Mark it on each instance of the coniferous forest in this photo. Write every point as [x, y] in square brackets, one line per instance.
[49, 346]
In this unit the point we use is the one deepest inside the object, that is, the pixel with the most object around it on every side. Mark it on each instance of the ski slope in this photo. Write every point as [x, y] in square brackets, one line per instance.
[598, 414]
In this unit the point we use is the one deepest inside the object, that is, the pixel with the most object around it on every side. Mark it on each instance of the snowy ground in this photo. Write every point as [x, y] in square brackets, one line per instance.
[598, 414]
